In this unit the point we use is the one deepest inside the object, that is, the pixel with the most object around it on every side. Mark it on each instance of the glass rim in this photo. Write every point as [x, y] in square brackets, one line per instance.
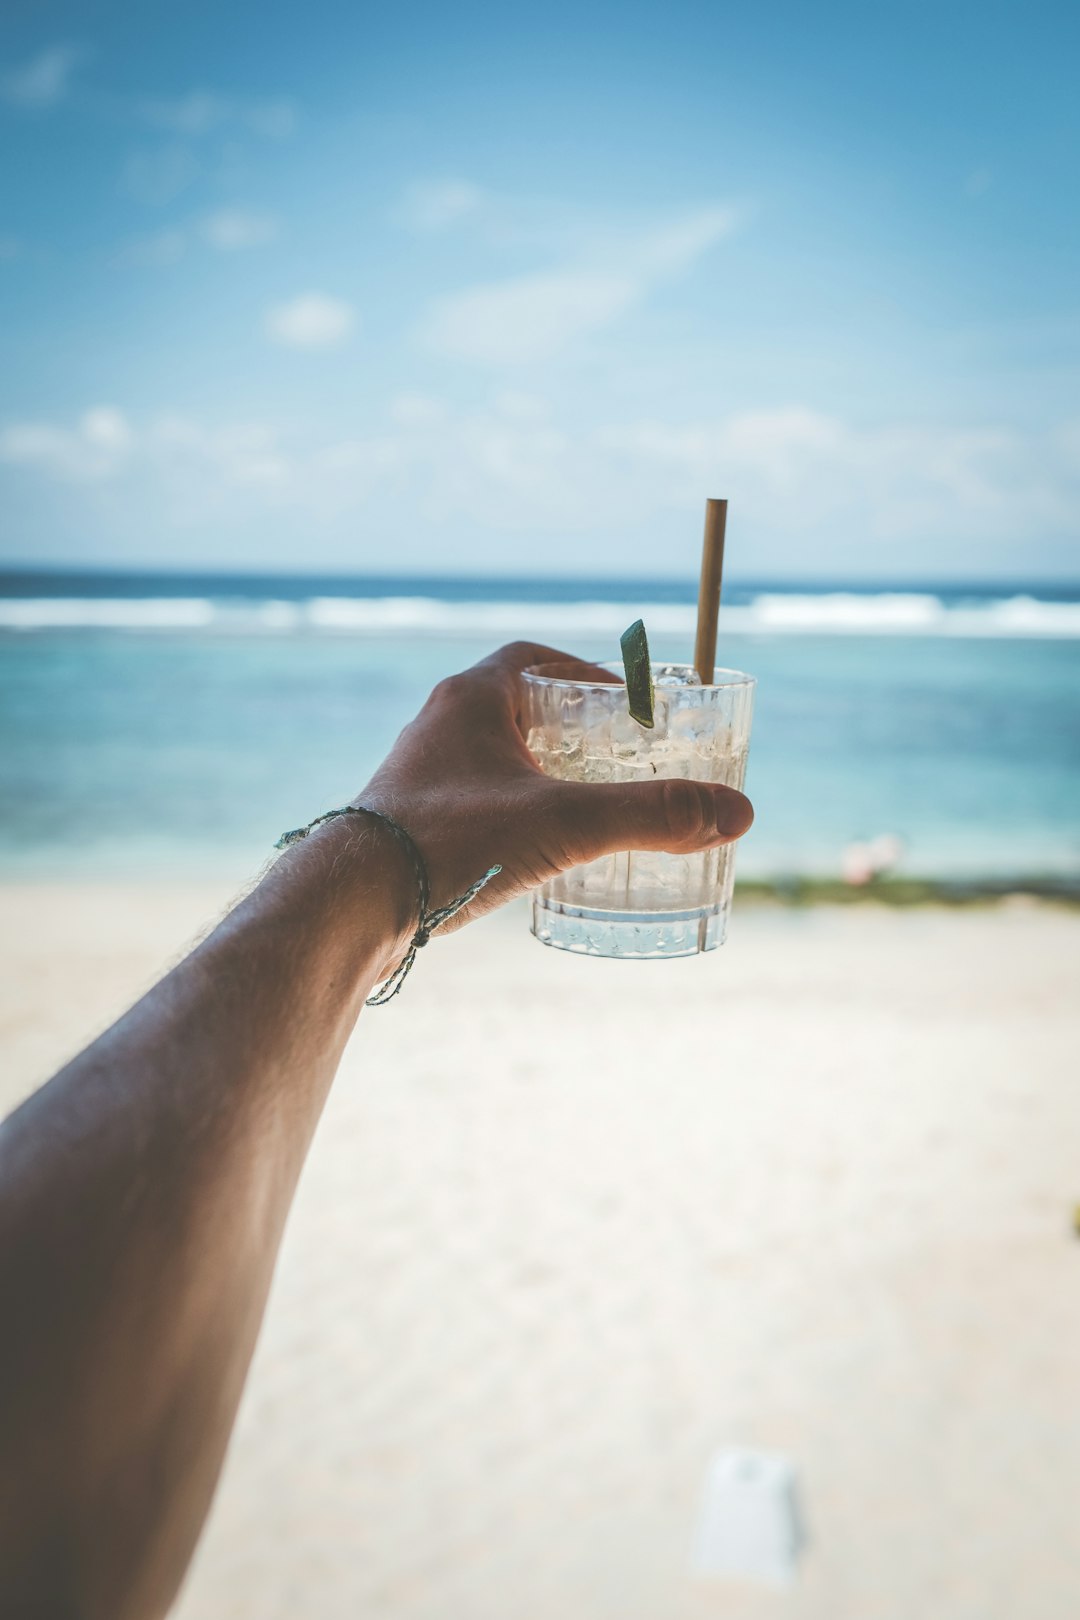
[534, 676]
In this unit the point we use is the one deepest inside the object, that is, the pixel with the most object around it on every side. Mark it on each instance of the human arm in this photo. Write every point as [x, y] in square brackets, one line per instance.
[143, 1191]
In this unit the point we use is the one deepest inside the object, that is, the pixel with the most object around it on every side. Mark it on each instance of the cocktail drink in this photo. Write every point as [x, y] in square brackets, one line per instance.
[639, 903]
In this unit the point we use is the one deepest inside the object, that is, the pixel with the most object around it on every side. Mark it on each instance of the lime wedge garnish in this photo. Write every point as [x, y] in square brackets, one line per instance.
[639, 682]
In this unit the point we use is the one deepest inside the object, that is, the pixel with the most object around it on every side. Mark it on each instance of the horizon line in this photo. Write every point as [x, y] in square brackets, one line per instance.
[20, 570]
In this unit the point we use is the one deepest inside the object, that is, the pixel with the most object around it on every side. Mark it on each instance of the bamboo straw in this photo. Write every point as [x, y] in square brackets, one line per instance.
[708, 607]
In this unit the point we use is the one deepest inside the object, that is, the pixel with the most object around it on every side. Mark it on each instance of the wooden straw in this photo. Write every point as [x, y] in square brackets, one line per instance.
[708, 605]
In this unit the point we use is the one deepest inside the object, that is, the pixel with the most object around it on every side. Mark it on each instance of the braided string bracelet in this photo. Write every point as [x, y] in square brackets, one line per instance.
[428, 920]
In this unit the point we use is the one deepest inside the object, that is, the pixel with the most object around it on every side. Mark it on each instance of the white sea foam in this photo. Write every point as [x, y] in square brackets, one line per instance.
[120, 613]
[905, 614]
[839, 612]
[425, 614]
[776, 613]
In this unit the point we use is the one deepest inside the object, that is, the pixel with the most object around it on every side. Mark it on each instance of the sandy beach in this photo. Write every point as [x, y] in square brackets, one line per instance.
[570, 1226]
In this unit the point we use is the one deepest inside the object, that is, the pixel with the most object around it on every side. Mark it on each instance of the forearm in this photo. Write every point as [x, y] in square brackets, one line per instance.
[144, 1190]
[142, 1197]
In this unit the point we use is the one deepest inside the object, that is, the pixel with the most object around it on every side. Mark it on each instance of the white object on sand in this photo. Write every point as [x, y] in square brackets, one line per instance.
[749, 1525]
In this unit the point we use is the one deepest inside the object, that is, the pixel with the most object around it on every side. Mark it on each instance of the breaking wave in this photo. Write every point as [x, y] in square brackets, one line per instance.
[774, 613]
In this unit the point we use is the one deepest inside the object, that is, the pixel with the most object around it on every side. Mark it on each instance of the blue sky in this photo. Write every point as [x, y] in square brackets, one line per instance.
[486, 289]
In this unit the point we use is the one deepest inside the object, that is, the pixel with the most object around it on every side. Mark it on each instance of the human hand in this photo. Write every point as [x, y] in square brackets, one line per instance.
[462, 782]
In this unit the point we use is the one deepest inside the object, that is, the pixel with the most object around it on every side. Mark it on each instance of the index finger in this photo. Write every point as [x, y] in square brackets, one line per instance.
[510, 661]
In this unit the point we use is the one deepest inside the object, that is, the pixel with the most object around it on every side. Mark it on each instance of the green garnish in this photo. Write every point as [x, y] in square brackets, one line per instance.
[640, 696]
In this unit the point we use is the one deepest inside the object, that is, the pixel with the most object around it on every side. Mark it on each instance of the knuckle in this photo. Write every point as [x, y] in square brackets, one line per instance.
[519, 655]
[688, 811]
[451, 689]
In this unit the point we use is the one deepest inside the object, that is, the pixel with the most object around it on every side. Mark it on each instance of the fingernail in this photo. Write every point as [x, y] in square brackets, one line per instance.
[734, 812]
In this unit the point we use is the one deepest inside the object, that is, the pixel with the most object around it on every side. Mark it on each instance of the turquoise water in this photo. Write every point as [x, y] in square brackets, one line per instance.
[186, 748]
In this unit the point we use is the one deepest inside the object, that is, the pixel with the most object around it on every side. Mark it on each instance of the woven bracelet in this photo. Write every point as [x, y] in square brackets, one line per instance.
[428, 920]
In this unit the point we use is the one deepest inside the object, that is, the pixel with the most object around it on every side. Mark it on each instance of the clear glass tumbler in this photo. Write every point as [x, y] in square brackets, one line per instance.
[639, 903]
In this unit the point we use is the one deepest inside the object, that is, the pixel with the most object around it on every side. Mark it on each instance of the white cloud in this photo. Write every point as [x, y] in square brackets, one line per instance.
[27, 443]
[564, 235]
[44, 80]
[243, 454]
[527, 318]
[95, 448]
[806, 472]
[201, 112]
[105, 428]
[433, 205]
[521, 407]
[194, 114]
[790, 472]
[1068, 437]
[231, 229]
[778, 448]
[531, 318]
[312, 321]
[810, 491]
[416, 410]
[676, 245]
[159, 176]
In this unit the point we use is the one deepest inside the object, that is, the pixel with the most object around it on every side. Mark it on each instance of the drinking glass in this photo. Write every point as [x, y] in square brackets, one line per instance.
[638, 903]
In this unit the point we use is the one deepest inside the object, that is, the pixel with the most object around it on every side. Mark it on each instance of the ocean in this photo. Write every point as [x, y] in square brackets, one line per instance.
[175, 724]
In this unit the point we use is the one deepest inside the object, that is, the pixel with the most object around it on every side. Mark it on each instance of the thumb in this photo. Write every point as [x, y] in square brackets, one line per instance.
[676, 815]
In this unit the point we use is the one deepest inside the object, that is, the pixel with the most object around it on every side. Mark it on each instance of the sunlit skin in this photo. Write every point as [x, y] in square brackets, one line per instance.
[144, 1189]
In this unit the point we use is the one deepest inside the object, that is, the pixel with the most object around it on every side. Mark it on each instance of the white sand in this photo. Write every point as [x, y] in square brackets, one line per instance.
[568, 1226]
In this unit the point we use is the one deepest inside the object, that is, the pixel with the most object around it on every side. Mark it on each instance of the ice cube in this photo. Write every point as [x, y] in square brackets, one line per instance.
[675, 675]
[626, 738]
[694, 723]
